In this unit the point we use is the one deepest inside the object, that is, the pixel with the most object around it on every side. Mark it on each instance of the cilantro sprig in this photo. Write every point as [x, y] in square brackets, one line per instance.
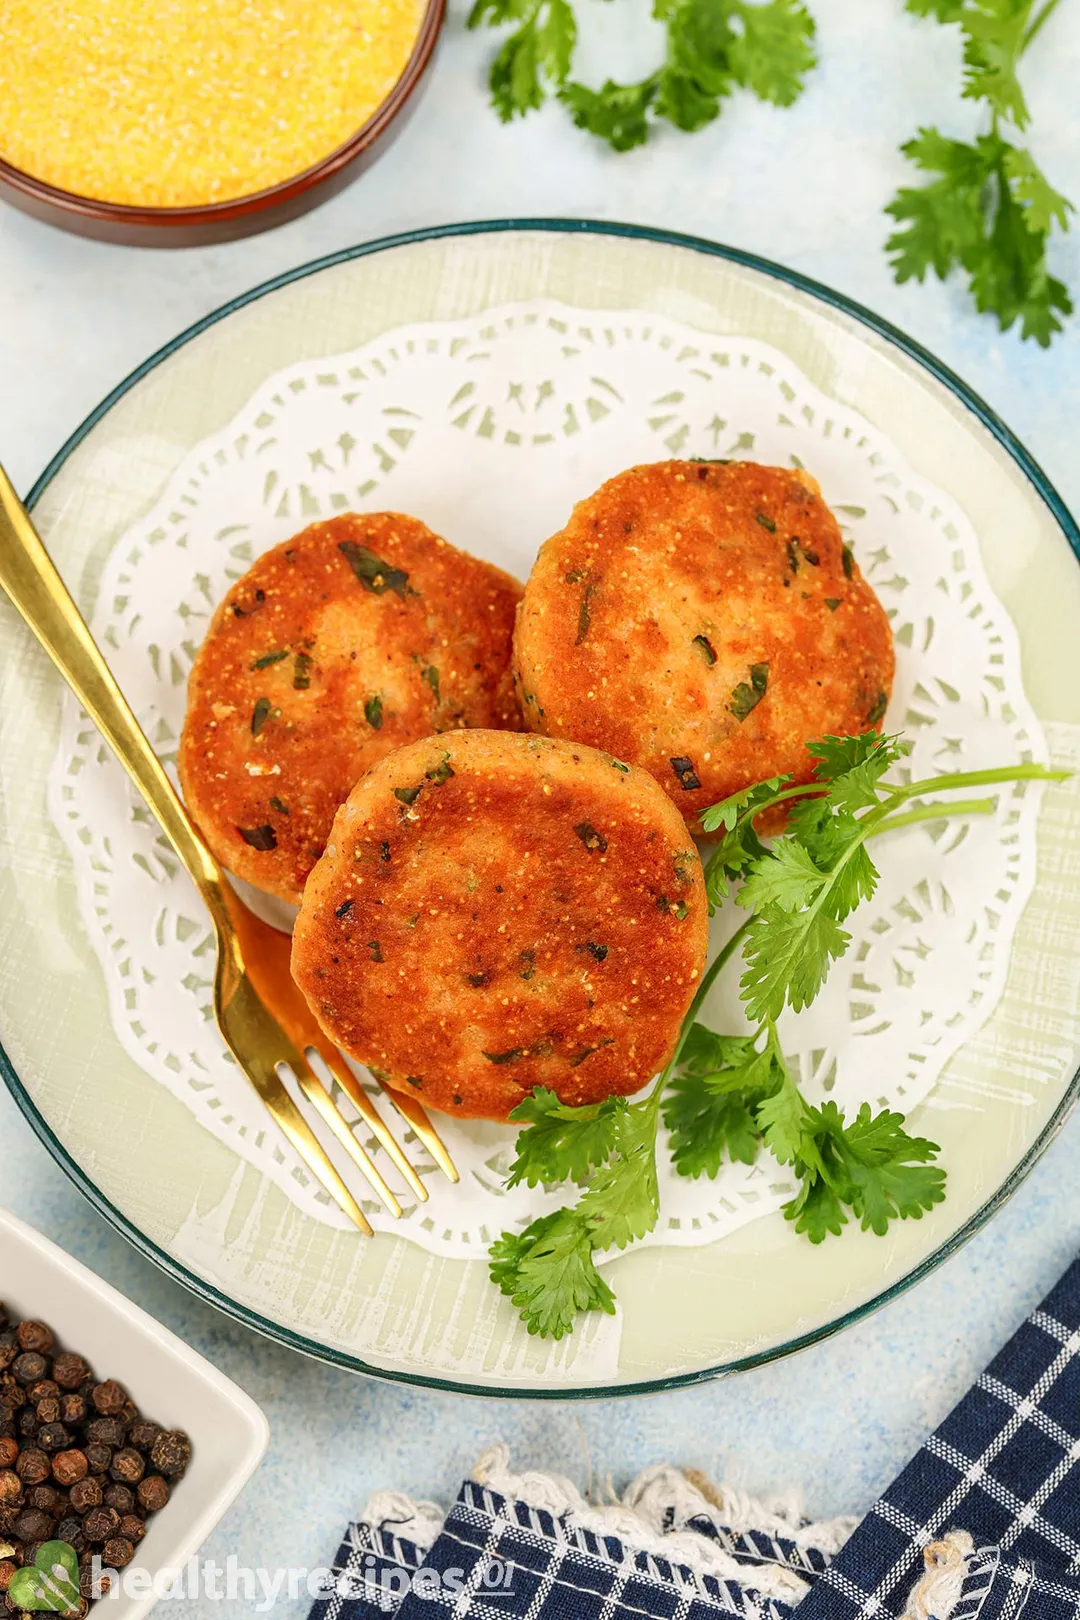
[713, 47]
[733, 1096]
[986, 209]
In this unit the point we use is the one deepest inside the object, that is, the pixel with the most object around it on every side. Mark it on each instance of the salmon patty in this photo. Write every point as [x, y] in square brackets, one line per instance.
[495, 912]
[358, 635]
[704, 620]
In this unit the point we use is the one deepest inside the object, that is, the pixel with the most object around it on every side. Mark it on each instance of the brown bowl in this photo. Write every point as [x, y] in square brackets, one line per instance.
[240, 216]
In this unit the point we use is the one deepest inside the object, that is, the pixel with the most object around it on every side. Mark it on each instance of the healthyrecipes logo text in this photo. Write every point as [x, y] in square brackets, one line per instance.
[260, 1589]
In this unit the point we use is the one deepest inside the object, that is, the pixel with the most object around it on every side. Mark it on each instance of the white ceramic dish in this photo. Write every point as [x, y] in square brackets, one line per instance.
[170, 1383]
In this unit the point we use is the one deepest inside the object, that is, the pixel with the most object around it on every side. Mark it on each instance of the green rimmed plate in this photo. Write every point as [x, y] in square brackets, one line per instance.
[386, 1307]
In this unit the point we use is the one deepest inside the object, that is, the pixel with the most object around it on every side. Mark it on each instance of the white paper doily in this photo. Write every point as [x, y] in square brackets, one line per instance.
[489, 430]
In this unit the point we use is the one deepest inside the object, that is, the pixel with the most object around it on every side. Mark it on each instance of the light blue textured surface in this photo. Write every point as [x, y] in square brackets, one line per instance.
[806, 187]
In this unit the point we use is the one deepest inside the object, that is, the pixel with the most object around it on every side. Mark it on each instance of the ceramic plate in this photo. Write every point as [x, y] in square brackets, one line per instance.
[389, 1306]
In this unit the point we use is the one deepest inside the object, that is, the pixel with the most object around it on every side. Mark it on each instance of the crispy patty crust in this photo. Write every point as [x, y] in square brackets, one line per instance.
[706, 621]
[497, 911]
[358, 635]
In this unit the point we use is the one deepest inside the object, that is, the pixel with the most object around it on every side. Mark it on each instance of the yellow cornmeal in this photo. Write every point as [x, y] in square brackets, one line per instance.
[173, 103]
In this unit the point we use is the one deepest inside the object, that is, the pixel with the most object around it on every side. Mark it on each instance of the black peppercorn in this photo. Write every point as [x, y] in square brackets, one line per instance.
[109, 1397]
[69, 1467]
[44, 1389]
[120, 1497]
[33, 1525]
[27, 1423]
[53, 1437]
[127, 1466]
[72, 1410]
[118, 1552]
[29, 1367]
[35, 1336]
[7, 1570]
[153, 1493]
[98, 1457]
[142, 1434]
[70, 1530]
[132, 1527]
[10, 1488]
[48, 1499]
[85, 1495]
[33, 1467]
[70, 1371]
[101, 1523]
[48, 1409]
[107, 1431]
[9, 1450]
[171, 1453]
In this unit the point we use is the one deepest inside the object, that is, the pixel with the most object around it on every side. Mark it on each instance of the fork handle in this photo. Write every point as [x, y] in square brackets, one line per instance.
[30, 579]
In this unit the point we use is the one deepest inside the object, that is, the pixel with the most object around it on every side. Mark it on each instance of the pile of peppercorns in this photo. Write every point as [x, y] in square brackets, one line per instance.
[78, 1461]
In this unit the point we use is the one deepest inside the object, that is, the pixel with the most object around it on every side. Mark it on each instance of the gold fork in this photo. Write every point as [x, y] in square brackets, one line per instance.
[266, 1023]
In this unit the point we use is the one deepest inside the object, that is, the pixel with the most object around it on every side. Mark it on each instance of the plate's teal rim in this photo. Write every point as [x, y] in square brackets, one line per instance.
[990, 421]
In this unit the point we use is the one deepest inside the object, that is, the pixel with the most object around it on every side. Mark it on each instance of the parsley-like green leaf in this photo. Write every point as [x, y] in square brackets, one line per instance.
[816, 1210]
[712, 46]
[622, 1200]
[549, 1273]
[537, 55]
[617, 113]
[744, 803]
[874, 1166]
[773, 51]
[853, 766]
[1033, 191]
[987, 209]
[562, 1143]
[993, 41]
[785, 877]
[946, 11]
[705, 1127]
[787, 959]
[784, 1120]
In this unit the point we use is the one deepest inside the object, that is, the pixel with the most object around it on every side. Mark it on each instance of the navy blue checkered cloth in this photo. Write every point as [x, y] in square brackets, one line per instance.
[983, 1524]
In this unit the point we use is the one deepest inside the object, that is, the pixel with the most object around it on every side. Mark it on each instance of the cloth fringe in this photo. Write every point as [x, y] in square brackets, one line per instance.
[654, 1515]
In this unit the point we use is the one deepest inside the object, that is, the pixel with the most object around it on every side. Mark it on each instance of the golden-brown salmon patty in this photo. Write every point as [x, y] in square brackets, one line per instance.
[706, 621]
[497, 911]
[358, 635]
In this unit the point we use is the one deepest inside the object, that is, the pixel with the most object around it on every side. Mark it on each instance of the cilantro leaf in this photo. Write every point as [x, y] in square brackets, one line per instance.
[993, 42]
[705, 1126]
[740, 844]
[745, 803]
[537, 54]
[853, 766]
[617, 113]
[945, 11]
[1030, 187]
[711, 48]
[944, 219]
[696, 75]
[562, 1143]
[622, 1201]
[708, 1110]
[773, 51]
[549, 1273]
[816, 1210]
[787, 958]
[874, 1166]
[785, 876]
[784, 1120]
[987, 209]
